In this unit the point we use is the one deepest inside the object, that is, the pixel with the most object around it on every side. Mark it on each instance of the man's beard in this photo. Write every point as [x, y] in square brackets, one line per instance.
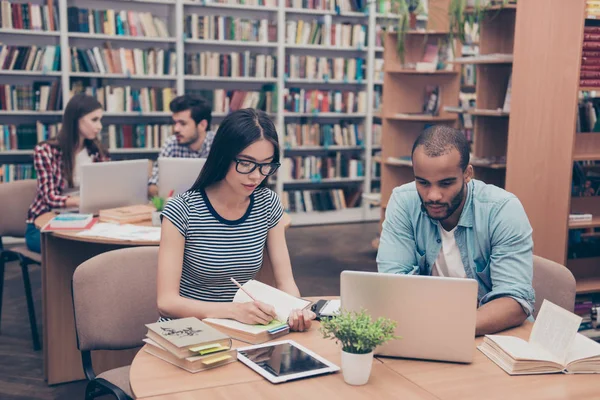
[450, 207]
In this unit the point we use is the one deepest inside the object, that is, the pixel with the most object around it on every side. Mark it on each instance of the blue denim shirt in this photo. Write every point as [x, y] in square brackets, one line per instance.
[493, 235]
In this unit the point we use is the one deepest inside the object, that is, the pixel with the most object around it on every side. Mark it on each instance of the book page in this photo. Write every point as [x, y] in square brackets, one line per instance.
[284, 303]
[519, 349]
[582, 348]
[554, 330]
[240, 326]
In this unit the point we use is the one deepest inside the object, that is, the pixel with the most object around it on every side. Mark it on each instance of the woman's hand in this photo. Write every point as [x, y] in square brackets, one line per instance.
[254, 312]
[301, 320]
[72, 201]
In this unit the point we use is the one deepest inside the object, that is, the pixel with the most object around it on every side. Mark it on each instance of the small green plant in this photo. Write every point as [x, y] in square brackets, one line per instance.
[356, 332]
[158, 202]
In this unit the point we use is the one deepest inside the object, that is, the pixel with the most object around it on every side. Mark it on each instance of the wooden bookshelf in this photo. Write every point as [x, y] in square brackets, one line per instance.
[542, 179]
[403, 98]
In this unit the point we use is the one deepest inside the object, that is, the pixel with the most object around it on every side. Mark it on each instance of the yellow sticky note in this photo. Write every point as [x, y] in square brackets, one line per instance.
[204, 347]
[216, 359]
[213, 350]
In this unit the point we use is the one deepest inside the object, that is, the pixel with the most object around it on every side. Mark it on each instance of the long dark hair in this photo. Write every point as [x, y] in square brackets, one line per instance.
[237, 131]
[68, 137]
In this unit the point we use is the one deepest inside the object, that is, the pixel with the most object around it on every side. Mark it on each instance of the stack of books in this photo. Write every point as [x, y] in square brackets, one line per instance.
[190, 344]
[128, 214]
[70, 222]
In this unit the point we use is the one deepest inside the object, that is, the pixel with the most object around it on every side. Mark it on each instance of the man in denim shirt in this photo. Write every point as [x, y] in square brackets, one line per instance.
[447, 223]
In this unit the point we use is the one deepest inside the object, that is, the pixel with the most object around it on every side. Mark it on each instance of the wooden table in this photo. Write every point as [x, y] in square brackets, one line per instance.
[62, 252]
[152, 378]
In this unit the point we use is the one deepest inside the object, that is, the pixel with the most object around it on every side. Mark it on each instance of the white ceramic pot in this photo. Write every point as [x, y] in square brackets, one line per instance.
[356, 368]
[155, 218]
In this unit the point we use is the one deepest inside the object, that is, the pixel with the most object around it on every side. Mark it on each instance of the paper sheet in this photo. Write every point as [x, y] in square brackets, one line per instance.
[123, 232]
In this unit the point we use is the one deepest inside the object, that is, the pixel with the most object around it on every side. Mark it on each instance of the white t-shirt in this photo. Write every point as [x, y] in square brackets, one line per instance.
[448, 262]
[81, 158]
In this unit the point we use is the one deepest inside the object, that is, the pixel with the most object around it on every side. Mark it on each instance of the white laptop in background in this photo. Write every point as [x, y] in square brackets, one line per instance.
[435, 315]
[113, 184]
[177, 174]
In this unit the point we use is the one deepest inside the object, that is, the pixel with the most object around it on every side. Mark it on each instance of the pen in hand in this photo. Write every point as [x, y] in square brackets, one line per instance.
[242, 289]
[261, 306]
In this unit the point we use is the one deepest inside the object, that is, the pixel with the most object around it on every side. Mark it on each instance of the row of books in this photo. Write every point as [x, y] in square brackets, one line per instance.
[326, 33]
[119, 23]
[320, 200]
[266, 3]
[29, 58]
[225, 101]
[128, 99]
[301, 100]
[39, 96]
[140, 136]
[341, 134]
[231, 65]
[124, 61]
[26, 136]
[317, 168]
[215, 27]
[36, 17]
[590, 57]
[336, 6]
[325, 68]
[16, 172]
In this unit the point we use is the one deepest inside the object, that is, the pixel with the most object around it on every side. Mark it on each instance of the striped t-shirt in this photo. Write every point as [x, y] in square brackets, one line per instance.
[217, 249]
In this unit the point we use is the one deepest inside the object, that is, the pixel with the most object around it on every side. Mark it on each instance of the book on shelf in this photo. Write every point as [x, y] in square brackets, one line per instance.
[140, 136]
[35, 17]
[67, 221]
[579, 217]
[116, 23]
[133, 62]
[225, 101]
[39, 96]
[554, 346]
[316, 68]
[232, 65]
[431, 105]
[506, 106]
[25, 136]
[342, 134]
[266, 3]
[320, 200]
[317, 168]
[338, 101]
[128, 98]
[30, 58]
[325, 33]
[376, 134]
[401, 160]
[334, 6]
[223, 28]
[16, 172]
[128, 214]
[190, 344]
[283, 303]
[430, 59]
[590, 57]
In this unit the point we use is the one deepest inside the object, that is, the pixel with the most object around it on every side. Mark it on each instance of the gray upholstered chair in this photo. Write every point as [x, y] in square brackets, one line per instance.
[554, 282]
[16, 197]
[114, 296]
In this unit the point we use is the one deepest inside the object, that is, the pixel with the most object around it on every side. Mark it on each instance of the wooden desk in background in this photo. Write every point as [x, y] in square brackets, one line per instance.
[62, 252]
[153, 379]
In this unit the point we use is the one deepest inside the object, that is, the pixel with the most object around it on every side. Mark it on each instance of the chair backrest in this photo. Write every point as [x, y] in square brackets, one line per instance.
[15, 198]
[114, 296]
[554, 282]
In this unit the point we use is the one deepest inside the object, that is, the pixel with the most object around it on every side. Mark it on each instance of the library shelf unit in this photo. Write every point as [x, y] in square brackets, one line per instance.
[174, 13]
[401, 105]
[543, 143]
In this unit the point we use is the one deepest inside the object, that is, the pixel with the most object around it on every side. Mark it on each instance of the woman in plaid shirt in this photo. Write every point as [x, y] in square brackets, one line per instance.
[58, 161]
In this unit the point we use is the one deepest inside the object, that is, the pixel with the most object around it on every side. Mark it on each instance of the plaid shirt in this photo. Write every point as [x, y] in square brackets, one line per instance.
[47, 161]
[173, 149]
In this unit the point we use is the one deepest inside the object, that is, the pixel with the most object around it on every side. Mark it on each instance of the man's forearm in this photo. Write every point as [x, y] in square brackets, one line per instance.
[498, 315]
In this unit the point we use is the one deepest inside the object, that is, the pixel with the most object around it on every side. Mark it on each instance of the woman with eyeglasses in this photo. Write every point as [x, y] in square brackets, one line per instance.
[218, 229]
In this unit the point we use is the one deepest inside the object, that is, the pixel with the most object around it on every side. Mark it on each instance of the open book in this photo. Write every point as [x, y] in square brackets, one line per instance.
[554, 346]
[284, 304]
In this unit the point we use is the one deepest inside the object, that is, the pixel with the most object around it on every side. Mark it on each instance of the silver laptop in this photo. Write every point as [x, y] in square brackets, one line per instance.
[113, 184]
[435, 315]
[177, 174]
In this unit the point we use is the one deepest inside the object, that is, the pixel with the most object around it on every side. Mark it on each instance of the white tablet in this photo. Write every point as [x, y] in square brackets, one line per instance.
[284, 361]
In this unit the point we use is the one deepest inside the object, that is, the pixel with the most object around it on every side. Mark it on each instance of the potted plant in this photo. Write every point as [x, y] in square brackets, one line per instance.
[159, 203]
[359, 336]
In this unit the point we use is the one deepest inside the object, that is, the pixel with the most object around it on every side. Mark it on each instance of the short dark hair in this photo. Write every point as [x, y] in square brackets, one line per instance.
[238, 130]
[440, 139]
[200, 109]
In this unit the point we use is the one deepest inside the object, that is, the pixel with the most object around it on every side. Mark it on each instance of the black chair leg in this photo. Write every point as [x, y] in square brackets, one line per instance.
[2, 261]
[30, 307]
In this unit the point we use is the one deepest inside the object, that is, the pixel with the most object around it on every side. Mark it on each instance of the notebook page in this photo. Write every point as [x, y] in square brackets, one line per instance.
[284, 303]
[583, 347]
[554, 330]
[240, 326]
[519, 349]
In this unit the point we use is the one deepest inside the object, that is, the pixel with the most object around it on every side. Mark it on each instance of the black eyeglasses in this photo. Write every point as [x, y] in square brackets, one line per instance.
[247, 166]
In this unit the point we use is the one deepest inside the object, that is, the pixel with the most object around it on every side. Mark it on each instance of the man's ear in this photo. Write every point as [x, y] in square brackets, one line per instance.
[202, 125]
[468, 174]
